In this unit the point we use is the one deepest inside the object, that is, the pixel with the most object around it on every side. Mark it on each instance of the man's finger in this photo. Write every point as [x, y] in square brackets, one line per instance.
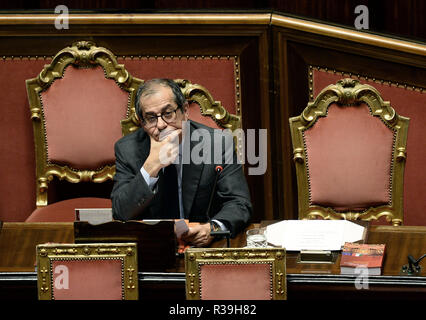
[172, 135]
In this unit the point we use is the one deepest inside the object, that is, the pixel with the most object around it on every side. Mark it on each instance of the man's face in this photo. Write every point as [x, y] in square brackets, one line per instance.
[161, 101]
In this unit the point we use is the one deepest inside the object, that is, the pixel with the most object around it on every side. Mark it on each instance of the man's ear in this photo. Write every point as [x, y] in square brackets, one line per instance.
[186, 109]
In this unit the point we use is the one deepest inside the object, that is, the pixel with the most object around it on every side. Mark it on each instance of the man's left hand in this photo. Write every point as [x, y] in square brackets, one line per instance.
[198, 235]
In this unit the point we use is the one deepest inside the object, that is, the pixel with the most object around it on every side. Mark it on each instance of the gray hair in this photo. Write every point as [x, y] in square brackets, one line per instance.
[148, 87]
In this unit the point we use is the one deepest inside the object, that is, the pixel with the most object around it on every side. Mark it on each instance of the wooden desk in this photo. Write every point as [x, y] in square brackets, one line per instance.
[18, 279]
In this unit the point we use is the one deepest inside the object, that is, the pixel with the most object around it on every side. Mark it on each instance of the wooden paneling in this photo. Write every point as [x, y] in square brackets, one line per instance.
[403, 18]
[18, 242]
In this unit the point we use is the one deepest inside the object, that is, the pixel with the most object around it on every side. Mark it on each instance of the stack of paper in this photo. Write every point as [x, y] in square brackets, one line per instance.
[94, 216]
[296, 235]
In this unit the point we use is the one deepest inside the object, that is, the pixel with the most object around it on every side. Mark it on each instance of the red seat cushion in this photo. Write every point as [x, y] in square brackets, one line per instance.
[64, 211]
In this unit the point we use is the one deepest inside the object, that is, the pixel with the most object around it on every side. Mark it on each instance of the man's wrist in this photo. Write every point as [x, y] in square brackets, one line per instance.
[150, 181]
[152, 168]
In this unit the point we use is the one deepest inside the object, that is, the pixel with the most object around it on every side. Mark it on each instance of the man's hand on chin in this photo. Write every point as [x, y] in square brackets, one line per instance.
[198, 235]
[162, 153]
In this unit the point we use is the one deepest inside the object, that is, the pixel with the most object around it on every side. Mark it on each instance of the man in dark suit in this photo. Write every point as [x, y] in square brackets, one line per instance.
[157, 177]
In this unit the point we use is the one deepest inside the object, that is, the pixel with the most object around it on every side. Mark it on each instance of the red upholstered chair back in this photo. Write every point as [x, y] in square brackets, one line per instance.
[349, 148]
[77, 103]
[349, 156]
[95, 271]
[407, 100]
[236, 281]
[235, 274]
[82, 113]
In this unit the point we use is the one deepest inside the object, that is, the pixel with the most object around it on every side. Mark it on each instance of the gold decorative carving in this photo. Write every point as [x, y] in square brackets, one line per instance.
[208, 106]
[83, 54]
[42, 252]
[191, 277]
[197, 257]
[129, 251]
[350, 92]
[215, 255]
[401, 154]
[130, 280]
[298, 155]
[255, 254]
[44, 288]
[70, 251]
[108, 250]
[280, 283]
[359, 77]
[47, 253]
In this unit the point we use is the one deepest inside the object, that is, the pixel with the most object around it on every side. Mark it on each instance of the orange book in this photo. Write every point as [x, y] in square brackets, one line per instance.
[355, 255]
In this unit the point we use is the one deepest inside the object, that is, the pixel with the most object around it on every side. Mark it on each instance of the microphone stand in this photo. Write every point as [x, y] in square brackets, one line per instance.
[413, 266]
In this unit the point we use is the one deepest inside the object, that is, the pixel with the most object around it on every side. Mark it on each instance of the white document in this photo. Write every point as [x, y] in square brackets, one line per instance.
[94, 216]
[296, 235]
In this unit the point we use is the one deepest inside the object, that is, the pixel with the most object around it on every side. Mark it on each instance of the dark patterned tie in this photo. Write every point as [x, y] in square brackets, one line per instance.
[171, 196]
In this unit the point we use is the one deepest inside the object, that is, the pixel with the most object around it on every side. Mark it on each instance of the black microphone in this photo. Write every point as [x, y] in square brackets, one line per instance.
[413, 267]
[221, 233]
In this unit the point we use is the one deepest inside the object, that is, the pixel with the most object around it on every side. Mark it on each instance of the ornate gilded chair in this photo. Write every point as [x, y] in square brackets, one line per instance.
[349, 149]
[95, 271]
[77, 103]
[235, 274]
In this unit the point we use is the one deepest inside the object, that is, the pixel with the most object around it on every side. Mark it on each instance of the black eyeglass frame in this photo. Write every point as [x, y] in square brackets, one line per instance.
[162, 117]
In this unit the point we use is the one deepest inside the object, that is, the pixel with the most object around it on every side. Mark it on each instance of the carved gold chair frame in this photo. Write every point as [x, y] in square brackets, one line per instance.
[346, 92]
[196, 257]
[83, 54]
[126, 252]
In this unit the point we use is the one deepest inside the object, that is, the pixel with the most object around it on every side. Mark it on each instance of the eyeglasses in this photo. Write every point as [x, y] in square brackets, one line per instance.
[150, 120]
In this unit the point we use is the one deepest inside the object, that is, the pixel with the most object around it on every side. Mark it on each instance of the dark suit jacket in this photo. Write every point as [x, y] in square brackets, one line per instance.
[133, 199]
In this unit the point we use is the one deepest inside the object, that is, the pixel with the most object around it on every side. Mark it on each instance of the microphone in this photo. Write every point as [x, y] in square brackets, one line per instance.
[413, 267]
[221, 233]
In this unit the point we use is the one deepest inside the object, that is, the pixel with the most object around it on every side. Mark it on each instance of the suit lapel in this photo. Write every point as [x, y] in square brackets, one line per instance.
[191, 173]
